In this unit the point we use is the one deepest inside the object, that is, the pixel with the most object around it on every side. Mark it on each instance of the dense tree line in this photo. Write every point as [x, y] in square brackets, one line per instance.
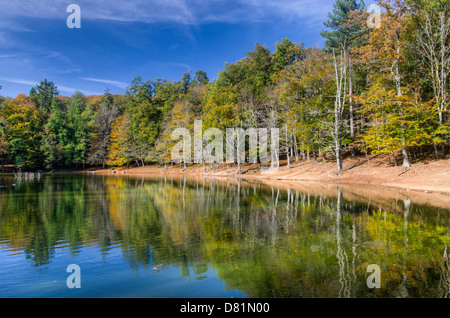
[378, 90]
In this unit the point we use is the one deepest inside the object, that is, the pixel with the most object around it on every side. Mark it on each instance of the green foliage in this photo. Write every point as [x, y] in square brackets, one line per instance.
[200, 77]
[249, 76]
[66, 134]
[303, 89]
[342, 31]
[286, 53]
[395, 121]
[43, 93]
[23, 127]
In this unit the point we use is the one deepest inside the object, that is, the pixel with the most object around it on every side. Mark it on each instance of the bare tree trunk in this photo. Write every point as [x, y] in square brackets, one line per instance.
[277, 157]
[340, 73]
[432, 44]
[436, 151]
[406, 164]
[397, 79]
[287, 148]
[352, 128]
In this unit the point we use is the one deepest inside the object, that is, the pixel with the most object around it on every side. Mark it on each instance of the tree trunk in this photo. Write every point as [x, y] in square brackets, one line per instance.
[337, 144]
[406, 164]
[352, 128]
[341, 78]
[436, 151]
[287, 148]
[397, 79]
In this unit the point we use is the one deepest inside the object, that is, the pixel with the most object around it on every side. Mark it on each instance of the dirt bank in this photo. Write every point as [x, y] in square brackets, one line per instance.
[425, 176]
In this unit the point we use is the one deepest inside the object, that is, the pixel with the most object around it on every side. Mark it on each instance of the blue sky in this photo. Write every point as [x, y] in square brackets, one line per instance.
[119, 40]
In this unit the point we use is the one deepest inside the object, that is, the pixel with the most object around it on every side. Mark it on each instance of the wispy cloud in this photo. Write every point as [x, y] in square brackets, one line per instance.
[187, 12]
[8, 56]
[34, 83]
[108, 82]
[18, 81]
[175, 64]
[117, 10]
[5, 41]
[73, 90]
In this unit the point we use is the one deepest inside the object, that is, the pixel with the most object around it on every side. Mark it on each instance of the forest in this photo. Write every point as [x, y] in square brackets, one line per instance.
[368, 90]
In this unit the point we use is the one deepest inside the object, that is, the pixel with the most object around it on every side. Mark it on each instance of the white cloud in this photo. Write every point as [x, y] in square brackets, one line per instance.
[187, 12]
[73, 90]
[262, 10]
[116, 10]
[59, 87]
[8, 56]
[174, 64]
[5, 41]
[109, 82]
[18, 81]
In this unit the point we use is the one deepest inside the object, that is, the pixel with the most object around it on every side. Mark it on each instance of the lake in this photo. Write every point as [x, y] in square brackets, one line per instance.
[172, 236]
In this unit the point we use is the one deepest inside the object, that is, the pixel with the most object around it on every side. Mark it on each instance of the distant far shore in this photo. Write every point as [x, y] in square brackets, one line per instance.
[426, 175]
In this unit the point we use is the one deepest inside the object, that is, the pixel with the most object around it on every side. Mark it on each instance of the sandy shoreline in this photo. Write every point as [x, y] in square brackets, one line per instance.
[425, 176]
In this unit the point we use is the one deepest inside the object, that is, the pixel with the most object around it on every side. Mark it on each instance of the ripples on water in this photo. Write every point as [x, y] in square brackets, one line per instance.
[177, 237]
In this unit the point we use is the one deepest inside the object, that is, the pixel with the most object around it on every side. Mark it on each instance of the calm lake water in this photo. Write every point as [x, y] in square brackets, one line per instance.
[197, 237]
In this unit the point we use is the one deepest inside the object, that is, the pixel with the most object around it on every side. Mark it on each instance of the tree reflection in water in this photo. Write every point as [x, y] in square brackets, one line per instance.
[264, 240]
